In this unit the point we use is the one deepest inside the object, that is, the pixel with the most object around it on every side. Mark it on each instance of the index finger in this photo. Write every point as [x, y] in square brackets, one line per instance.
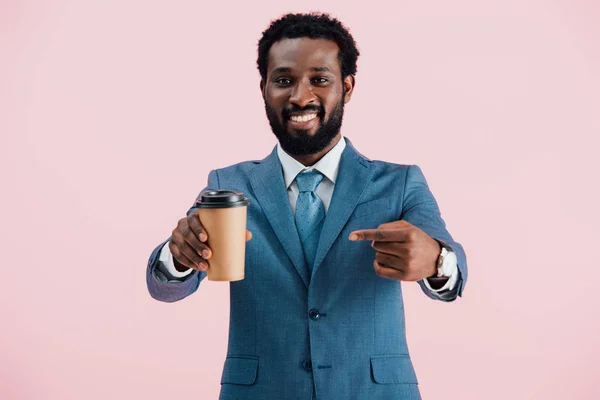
[378, 235]
[196, 226]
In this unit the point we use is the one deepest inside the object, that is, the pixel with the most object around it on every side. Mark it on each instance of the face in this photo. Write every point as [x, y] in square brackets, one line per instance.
[304, 94]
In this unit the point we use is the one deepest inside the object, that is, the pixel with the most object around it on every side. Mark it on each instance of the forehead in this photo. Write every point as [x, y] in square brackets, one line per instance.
[303, 54]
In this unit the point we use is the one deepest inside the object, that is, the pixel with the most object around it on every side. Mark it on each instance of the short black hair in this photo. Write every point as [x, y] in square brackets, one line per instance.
[314, 26]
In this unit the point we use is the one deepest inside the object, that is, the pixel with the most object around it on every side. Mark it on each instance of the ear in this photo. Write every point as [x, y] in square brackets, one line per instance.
[349, 83]
[262, 88]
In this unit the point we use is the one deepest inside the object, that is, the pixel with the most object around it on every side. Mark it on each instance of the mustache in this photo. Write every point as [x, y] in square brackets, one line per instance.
[288, 111]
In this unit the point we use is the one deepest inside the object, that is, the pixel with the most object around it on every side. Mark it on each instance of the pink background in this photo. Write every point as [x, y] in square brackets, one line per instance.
[113, 113]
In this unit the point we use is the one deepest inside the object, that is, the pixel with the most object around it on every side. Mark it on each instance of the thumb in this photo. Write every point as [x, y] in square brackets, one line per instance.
[248, 235]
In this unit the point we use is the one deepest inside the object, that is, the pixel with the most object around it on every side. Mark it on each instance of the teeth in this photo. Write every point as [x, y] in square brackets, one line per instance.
[303, 118]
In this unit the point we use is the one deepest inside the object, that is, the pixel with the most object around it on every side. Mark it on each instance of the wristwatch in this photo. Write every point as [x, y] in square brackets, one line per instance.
[446, 261]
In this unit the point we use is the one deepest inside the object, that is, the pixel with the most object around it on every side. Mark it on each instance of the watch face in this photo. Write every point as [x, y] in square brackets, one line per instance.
[449, 264]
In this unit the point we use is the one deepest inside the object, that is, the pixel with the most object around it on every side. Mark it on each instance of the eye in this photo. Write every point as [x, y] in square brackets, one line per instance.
[321, 80]
[283, 81]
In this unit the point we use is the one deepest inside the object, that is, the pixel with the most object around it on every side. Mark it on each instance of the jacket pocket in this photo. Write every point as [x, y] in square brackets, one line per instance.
[388, 369]
[240, 370]
[371, 207]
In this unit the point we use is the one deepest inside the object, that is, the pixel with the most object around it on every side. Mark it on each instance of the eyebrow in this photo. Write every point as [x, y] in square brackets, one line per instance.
[288, 69]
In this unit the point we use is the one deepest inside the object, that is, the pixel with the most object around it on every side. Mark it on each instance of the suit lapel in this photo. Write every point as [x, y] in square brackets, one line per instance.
[269, 187]
[353, 176]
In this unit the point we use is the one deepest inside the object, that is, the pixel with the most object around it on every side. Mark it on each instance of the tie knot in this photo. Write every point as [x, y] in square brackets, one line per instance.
[308, 181]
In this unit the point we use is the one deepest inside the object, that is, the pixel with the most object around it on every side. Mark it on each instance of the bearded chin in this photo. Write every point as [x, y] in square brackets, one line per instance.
[305, 144]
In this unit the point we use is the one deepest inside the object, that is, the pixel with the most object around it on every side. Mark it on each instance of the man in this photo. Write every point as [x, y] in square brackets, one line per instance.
[320, 312]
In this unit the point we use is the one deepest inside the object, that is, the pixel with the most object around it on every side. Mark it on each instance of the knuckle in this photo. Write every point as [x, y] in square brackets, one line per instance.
[185, 230]
[382, 258]
[404, 252]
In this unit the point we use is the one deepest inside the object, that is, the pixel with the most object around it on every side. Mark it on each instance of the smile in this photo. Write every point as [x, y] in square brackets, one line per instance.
[303, 118]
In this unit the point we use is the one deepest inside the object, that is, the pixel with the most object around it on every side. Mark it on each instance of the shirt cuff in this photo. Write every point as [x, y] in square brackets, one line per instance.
[167, 265]
[450, 284]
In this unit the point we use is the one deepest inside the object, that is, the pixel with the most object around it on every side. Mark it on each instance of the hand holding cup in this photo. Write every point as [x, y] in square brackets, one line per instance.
[188, 244]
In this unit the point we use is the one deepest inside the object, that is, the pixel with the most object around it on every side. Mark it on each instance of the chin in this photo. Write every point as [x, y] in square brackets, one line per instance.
[301, 132]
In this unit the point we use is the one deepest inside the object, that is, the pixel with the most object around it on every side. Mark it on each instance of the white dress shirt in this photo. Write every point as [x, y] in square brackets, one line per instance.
[328, 165]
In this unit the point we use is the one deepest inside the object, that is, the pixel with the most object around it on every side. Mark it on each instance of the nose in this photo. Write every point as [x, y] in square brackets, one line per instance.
[302, 95]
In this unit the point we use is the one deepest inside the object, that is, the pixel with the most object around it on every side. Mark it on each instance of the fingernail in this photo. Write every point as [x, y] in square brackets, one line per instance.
[202, 265]
[203, 237]
[353, 236]
[205, 253]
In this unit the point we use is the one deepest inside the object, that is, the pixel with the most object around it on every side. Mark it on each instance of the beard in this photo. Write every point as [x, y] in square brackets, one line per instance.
[305, 144]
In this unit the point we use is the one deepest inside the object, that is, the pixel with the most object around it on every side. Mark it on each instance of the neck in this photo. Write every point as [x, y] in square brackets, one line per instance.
[311, 159]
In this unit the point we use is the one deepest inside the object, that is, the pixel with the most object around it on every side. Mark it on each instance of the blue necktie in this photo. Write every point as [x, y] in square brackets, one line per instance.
[310, 214]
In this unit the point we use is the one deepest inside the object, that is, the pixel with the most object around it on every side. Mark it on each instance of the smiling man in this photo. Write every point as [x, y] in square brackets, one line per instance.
[320, 313]
[305, 94]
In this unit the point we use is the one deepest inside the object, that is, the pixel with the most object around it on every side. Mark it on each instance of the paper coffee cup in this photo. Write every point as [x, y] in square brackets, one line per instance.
[223, 215]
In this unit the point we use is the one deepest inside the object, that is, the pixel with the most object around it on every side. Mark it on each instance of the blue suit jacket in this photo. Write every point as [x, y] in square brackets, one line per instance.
[340, 328]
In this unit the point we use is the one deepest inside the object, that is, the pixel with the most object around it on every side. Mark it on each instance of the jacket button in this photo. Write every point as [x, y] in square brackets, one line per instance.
[307, 365]
[314, 314]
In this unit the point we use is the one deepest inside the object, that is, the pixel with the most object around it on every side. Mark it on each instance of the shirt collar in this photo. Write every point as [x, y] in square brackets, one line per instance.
[328, 165]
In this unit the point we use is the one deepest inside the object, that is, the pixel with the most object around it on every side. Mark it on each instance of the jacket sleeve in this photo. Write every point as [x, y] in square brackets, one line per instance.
[421, 209]
[159, 286]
